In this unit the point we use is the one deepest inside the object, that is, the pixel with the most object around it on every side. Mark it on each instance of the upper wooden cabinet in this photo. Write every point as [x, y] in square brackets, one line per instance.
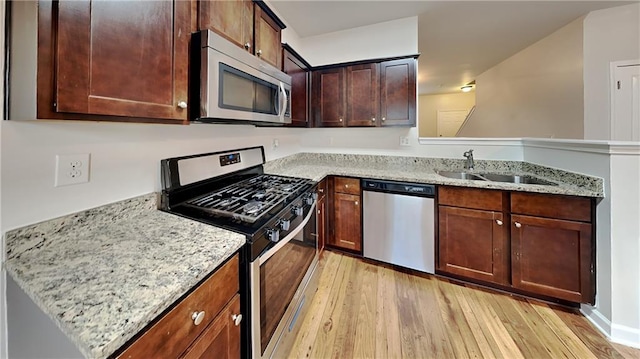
[248, 24]
[231, 19]
[299, 70]
[370, 94]
[124, 59]
[398, 92]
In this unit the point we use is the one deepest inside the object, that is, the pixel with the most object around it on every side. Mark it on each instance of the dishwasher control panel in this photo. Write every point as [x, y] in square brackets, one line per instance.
[427, 190]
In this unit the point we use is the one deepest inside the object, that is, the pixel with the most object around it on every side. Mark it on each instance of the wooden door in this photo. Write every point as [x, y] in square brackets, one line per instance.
[362, 95]
[553, 257]
[398, 92]
[233, 19]
[473, 244]
[122, 58]
[267, 38]
[329, 97]
[221, 339]
[347, 222]
[299, 72]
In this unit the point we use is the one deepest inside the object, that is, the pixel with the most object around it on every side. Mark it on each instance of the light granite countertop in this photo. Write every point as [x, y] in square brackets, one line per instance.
[103, 274]
[316, 166]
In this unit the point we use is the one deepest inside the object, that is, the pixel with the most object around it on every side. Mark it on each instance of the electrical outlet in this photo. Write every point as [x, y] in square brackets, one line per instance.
[72, 169]
[404, 141]
[275, 144]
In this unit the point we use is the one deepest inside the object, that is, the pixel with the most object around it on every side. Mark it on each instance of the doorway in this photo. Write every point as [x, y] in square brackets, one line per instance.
[625, 101]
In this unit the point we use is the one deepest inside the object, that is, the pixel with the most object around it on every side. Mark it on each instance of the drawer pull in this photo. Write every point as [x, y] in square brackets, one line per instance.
[518, 224]
[197, 317]
[356, 203]
[499, 222]
[346, 186]
[237, 318]
[320, 190]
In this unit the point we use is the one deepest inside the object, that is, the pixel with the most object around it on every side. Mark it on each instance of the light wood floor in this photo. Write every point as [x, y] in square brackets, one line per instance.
[366, 311]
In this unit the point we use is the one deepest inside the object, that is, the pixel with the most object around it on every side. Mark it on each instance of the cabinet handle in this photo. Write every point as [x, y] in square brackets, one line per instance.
[499, 222]
[247, 46]
[346, 186]
[356, 203]
[384, 119]
[340, 120]
[182, 104]
[518, 224]
[197, 317]
[237, 318]
[373, 119]
[258, 53]
[321, 190]
[318, 211]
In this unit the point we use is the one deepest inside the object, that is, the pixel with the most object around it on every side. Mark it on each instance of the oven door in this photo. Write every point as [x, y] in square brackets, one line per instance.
[280, 280]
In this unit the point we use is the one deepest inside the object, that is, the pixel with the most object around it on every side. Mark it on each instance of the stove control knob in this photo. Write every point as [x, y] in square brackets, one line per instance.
[273, 235]
[284, 224]
[311, 198]
[297, 210]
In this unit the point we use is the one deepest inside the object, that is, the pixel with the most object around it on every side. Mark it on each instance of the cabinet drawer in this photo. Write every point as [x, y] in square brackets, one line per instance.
[170, 336]
[552, 206]
[347, 185]
[475, 198]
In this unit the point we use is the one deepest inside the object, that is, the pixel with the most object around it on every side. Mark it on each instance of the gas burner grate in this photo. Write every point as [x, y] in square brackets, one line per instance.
[250, 199]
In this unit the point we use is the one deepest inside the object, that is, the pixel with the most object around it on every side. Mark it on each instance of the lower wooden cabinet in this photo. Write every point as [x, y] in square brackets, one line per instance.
[321, 209]
[533, 243]
[204, 314]
[473, 244]
[346, 213]
[221, 339]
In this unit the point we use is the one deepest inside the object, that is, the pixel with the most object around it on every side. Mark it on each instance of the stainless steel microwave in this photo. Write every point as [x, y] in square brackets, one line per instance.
[233, 86]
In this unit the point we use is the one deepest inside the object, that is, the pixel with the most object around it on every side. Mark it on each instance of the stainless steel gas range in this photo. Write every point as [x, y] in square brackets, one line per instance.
[277, 214]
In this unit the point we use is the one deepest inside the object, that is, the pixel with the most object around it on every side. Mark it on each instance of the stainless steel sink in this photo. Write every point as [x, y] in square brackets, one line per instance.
[515, 179]
[494, 177]
[460, 175]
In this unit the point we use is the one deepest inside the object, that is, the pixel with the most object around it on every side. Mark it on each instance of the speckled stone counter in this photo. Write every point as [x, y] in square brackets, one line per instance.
[423, 170]
[103, 274]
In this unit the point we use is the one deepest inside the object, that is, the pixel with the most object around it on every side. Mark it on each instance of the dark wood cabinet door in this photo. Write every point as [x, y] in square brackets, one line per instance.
[299, 73]
[347, 222]
[267, 38]
[329, 97]
[233, 19]
[221, 339]
[398, 92]
[473, 244]
[362, 95]
[122, 58]
[553, 257]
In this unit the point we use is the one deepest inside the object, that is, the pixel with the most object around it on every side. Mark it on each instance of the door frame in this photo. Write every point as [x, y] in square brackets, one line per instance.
[613, 65]
[467, 110]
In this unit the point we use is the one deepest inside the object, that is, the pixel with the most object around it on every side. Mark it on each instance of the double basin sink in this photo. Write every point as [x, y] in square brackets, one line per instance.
[494, 177]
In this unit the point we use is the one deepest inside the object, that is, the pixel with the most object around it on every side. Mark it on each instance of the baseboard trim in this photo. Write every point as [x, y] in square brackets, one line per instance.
[616, 333]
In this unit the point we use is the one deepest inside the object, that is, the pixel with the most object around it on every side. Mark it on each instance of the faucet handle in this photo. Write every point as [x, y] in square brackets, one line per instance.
[468, 153]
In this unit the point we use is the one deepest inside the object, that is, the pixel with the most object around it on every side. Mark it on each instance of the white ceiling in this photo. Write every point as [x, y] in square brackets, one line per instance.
[457, 40]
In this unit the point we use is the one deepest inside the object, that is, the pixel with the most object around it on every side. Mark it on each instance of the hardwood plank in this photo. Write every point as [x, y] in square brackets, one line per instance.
[346, 329]
[387, 323]
[328, 269]
[333, 312]
[588, 335]
[493, 325]
[365, 338]
[463, 343]
[626, 352]
[565, 335]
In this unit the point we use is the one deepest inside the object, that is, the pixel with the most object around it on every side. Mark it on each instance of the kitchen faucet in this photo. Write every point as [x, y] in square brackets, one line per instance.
[469, 156]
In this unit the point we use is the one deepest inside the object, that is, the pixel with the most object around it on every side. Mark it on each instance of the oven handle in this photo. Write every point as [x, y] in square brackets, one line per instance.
[266, 255]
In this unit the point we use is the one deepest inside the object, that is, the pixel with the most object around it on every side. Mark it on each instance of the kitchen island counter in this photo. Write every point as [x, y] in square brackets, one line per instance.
[103, 274]
[423, 170]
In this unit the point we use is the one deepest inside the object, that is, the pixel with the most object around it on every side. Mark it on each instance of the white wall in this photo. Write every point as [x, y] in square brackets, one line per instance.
[609, 35]
[534, 93]
[430, 105]
[386, 39]
[3, 312]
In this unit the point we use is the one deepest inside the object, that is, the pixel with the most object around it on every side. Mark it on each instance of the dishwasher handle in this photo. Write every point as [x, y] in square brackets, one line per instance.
[411, 189]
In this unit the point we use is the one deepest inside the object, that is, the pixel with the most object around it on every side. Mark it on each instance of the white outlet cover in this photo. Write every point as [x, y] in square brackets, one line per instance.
[72, 169]
[404, 141]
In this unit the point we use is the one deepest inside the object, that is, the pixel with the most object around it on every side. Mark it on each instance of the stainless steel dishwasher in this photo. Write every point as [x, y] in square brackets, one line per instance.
[399, 223]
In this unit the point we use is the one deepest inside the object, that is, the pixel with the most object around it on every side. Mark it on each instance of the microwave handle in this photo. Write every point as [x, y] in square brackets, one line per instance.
[284, 102]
